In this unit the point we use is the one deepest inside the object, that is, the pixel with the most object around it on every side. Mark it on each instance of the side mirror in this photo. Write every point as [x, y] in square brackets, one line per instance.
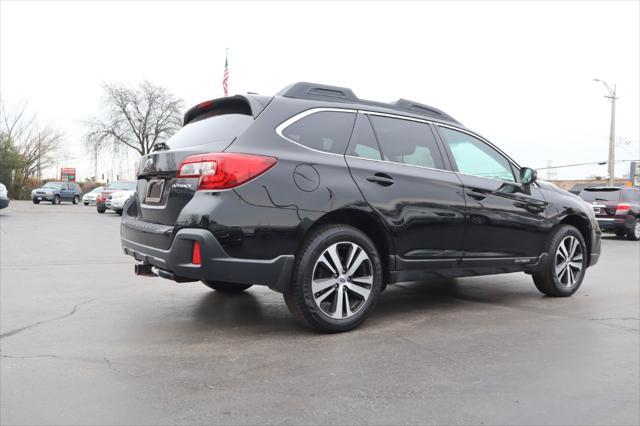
[528, 176]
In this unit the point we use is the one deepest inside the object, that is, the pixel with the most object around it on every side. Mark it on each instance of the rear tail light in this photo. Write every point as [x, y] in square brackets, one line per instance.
[622, 208]
[224, 170]
[195, 255]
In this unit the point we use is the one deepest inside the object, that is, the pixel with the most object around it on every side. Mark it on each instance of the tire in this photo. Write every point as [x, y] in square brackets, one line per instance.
[356, 291]
[86, 204]
[620, 234]
[228, 288]
[101, 210]
[76, 199]
[119, 212]
[634, 233]
[555, 280]
[36, 201]
[56, 199]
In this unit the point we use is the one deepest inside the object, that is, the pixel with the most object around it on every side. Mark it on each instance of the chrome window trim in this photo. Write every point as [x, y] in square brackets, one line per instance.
[282, 126]
[401, 164]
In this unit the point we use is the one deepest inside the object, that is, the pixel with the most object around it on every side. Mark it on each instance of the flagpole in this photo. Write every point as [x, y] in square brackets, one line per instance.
[225, 78]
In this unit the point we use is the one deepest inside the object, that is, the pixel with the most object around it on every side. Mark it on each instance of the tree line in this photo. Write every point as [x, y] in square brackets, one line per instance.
[130, 117]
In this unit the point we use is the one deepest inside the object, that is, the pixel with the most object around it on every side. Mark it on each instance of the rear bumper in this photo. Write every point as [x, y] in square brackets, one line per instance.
[614, 225]
[216, 265]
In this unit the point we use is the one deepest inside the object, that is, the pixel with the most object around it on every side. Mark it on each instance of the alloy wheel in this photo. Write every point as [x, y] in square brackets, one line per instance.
[636, 230]
[569, 261]
[342, 280]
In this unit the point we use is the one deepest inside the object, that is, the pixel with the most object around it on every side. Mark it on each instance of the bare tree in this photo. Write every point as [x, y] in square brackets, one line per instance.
[38, 146]
[137, 117]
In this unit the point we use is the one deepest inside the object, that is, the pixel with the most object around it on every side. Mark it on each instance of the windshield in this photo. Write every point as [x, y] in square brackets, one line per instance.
[217, 130]
[128, 186]
[98, 189]
[600, 194]
[53, 185]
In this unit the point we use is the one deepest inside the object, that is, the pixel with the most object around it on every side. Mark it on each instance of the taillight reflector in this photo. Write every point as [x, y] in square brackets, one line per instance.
[195, 256]
[224, 170]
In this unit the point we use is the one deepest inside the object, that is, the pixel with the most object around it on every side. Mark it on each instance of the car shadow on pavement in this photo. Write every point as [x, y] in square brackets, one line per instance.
[269, 313]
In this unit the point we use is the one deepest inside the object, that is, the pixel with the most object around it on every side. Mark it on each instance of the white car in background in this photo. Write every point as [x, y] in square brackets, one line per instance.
[116, 200]
[4, 196]
[89, 199]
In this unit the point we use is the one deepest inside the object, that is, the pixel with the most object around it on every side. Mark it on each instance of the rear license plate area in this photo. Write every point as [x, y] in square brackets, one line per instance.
[154, 191]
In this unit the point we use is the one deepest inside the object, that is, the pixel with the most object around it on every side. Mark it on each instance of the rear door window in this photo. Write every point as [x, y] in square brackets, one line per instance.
[326, 131]
[407, 142]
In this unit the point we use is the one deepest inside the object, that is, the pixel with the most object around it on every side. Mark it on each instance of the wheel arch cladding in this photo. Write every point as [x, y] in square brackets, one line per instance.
[583, 226]
[365, 222]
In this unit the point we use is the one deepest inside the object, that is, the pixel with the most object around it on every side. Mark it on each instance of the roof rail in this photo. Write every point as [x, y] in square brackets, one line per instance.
[323, 92]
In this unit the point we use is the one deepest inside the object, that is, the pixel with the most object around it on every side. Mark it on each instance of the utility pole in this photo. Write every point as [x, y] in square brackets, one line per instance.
[612, 131]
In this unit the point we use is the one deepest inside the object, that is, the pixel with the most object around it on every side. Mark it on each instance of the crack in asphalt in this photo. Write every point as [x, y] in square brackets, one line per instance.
[35, 324]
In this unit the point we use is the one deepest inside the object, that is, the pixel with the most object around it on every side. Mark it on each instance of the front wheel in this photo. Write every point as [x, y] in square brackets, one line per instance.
[36, 201]
[336, 281]
[634, 234]
[85, 203]
[101, 209]
[56, 200]
[563, 271]
[223, 287]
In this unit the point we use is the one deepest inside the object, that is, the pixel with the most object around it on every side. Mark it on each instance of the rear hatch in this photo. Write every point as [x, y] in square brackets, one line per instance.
[603, 199]
[209, 127]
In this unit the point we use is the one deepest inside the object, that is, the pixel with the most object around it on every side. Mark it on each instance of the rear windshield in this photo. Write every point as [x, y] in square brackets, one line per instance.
[600, 194]
[123, 185]
[217, 130]
[53, 185]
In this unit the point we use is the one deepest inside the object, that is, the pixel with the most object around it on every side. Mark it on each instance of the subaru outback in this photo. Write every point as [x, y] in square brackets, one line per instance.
[327, 198]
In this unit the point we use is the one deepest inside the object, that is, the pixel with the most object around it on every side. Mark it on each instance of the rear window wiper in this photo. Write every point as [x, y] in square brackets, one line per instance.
[160, 146]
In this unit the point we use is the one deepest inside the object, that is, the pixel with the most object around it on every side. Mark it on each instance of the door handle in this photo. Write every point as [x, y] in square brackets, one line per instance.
[381, 179]
[476, 195]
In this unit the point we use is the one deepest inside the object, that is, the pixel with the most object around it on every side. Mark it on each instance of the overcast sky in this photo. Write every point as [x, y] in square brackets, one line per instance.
[519, 73]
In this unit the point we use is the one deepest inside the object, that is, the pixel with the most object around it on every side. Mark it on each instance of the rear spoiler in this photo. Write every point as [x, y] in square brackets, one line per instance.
[239, 104]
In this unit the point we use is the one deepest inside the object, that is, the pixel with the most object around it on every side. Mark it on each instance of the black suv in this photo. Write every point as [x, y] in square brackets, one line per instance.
[327, 198]
[617, 209]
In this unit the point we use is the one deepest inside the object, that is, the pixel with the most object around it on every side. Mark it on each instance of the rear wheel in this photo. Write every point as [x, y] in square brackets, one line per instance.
[76, 199]
[634, 234]
[224, 287]
[119, 212]
[56, 199]
[101, 209]
[563, 270]
[336, 280]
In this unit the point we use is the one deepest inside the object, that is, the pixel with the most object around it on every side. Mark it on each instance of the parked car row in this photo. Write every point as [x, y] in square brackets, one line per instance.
[113, 197]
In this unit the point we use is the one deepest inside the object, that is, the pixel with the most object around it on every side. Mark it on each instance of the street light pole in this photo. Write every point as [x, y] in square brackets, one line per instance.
[612, 131]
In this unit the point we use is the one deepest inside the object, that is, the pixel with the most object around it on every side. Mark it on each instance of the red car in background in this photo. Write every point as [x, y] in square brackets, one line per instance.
[121, 185]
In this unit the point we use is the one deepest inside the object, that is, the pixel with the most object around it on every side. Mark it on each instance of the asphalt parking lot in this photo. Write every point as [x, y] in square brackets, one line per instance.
[84, 341]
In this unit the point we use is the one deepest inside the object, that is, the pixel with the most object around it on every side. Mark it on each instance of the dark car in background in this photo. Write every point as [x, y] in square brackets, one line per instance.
[4, 196]
[56, 192]
[120, 185]
[617, 209]
[328, 198]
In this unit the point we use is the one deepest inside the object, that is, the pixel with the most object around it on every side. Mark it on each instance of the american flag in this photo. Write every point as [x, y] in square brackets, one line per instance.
[225, 76]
